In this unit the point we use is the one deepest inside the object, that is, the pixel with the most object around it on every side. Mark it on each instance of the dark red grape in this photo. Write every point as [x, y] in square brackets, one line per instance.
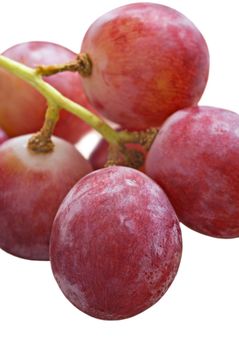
[115, 244]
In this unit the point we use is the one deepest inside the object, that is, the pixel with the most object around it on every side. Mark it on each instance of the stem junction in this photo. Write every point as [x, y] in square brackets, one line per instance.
[82, 64]
[41, 142]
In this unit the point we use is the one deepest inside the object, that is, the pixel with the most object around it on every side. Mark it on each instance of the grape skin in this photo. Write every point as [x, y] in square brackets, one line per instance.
[195, 159]
[148, 61]
[116, 243]
[22, 108]
[32, 187]
[3, 136]
[99, 155]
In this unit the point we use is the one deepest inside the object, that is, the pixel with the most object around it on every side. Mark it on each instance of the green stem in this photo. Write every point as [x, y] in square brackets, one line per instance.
[41, 142]
[32, 77]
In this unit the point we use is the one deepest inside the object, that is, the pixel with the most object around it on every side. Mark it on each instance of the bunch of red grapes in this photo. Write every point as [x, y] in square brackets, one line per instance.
[113, 234]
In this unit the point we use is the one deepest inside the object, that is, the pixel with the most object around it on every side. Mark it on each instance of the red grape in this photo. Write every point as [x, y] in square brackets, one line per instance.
[148, 61]
[22, 108]
[99, 155]
[195, 159]
[3, 136]
[32, 187]
[116, 243]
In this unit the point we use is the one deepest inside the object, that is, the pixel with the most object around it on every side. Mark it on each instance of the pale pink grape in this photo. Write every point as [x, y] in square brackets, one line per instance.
[32, 187]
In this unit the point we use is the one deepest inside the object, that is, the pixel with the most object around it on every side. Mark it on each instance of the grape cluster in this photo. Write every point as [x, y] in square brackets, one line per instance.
[112, 233]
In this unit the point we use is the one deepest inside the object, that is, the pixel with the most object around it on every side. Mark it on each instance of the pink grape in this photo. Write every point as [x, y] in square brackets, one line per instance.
[116, 243]
[148, 61]
[22, 108]
[32, 187]
[195, 159]
[3, 136]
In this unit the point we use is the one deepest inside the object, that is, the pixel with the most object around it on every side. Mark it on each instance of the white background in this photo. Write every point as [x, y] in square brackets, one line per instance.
[201, 309]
